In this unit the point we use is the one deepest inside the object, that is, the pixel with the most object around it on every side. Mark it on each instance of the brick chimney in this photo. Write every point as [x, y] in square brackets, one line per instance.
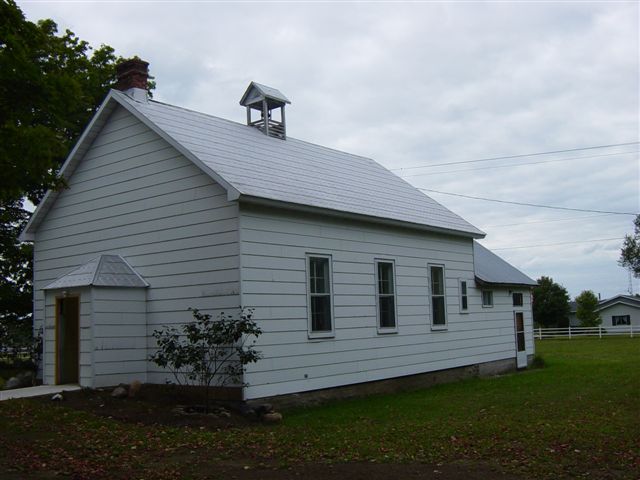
[132, 76]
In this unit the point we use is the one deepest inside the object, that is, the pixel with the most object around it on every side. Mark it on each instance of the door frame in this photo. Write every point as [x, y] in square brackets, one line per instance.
[58, 301]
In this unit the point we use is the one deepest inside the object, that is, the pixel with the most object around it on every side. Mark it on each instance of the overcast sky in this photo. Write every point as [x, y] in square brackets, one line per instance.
[419, 84]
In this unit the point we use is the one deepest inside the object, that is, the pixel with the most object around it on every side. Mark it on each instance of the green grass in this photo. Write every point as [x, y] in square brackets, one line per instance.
[577, 417]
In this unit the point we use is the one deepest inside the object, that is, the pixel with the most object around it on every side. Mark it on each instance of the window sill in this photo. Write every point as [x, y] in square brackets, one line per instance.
[439, 328]
[464, 312]
[387, 331]
[487, 306]
[320, 335]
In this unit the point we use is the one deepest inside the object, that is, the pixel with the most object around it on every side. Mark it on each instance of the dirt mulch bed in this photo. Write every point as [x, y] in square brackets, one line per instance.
[155, 405]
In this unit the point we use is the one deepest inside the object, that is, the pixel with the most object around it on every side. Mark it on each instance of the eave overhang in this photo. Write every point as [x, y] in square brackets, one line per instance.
[248, 199]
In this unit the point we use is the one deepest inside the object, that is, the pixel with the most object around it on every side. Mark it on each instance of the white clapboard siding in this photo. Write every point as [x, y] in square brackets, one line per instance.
[119, 315]
[274, 245]
[617, 309]
[134, 195]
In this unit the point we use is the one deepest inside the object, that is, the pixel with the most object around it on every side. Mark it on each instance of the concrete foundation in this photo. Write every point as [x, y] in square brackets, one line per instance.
[392, 385]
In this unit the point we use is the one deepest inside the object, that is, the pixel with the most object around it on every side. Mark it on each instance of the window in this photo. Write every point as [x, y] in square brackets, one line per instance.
[320, 311]
[520, 343]
[386, 296]
[438, 304]
[517, 299]
[620, 320]
[487, 298]
[464, 299]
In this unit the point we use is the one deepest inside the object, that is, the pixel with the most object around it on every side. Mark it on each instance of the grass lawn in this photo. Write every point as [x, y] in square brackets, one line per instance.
[577, 417]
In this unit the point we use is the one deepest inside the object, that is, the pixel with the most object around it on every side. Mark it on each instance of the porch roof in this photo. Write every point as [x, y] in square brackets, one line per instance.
[101, 271]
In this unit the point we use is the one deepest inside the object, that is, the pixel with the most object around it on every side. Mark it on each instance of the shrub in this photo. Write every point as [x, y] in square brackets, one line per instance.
[208, 352]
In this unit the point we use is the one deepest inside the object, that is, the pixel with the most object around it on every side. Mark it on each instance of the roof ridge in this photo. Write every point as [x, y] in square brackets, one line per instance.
[95, 273]
[133, 270]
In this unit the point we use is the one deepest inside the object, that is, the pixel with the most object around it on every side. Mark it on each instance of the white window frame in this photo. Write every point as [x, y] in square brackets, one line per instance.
[319, 334]
[444, 296]
[466, 295]
[485, 305]
[513, 299]
[380, 328]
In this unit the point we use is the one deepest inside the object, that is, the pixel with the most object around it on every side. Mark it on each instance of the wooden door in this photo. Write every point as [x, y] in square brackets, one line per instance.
[67, 340]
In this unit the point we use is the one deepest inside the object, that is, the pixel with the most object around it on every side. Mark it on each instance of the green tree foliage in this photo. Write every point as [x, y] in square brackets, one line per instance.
[50, 85]
[630, 252]
[550, 304]
[586, 306]
[208, 352]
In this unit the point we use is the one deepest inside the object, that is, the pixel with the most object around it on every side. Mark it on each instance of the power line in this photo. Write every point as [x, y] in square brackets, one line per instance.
[516, 156]
[546, 221]
[553, 207]
[559, 243]
[518, 164]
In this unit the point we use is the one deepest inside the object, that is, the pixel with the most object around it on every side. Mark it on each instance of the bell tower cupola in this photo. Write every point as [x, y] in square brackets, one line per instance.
[267, 101]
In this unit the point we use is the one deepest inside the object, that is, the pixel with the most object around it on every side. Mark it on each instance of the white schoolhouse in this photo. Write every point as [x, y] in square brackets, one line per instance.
[354, 275]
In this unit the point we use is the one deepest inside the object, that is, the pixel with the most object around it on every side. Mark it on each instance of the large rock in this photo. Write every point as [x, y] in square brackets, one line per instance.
[120, 392]
[247, 411]
[263, 409]
[21, 380]
[272, 417]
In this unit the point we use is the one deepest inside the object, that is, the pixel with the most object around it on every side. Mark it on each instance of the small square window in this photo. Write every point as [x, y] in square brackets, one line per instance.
[487, 298]
[518, 299]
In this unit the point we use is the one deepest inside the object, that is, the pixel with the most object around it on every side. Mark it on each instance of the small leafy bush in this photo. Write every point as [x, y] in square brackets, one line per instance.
[208, 352]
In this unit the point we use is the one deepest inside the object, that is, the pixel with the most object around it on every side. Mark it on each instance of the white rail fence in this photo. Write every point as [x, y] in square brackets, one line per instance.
[580, 332]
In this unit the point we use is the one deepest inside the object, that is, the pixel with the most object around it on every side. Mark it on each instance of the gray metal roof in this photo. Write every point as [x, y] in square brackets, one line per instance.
[102, 271]
[293, 171]
[624, 299]
[490, 268]
[256, 92]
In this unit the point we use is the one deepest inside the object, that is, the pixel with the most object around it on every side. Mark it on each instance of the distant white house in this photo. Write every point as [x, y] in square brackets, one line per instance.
[620, 310]
[615, 311]
[354, 274]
